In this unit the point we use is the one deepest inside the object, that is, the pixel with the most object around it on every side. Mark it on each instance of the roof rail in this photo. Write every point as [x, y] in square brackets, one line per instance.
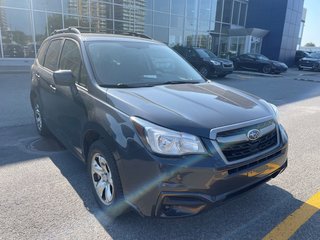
[134, 34]
[76, 30]
[66, 30]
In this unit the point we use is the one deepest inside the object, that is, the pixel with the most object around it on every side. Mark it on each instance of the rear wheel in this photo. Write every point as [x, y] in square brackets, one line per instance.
[300, 68]
[105, 180]
[266, 69]
[204, 71]
[39, 120]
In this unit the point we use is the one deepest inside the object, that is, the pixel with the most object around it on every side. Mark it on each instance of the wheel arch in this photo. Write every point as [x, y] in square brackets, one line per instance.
[93, 132]
[33, 97]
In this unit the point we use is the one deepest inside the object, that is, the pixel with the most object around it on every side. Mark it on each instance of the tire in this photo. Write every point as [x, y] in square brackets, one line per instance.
[236, 66]
[105, 180]
[204, 71]
[300, 68]
[266, 69]
[222, 75]
[39, 120]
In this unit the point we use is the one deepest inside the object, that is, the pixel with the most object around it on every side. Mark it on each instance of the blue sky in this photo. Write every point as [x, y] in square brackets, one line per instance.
[311, 31]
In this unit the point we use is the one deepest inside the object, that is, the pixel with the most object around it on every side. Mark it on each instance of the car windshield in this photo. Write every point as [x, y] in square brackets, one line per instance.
[315, 55]
[261, 57]
[135, 64]
[205, 53]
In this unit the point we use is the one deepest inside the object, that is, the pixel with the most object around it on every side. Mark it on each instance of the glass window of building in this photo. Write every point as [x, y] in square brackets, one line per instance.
[178, 7]
[243, 13]
[219, 10]
[162, 6]
[176, 22]
[236, 13]
[17, 35]
[105, 10]
[77, 7]
[192, 9]
[45, 23]
[227, 10]
[47, 5]
[175, 37]
[15, 3]
[161, 19]
[161, 34]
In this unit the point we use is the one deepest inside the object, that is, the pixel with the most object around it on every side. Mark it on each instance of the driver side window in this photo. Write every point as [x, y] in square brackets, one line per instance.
[71, 60]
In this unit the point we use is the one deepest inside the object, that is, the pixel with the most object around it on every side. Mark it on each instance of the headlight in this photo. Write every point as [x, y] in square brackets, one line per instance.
[165, 141]
[215, 62]
[275, 111]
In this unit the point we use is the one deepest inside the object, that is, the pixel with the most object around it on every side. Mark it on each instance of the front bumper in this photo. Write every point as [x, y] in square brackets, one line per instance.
[279, 69]
[179, 187]
[220, 70]
[309, 65]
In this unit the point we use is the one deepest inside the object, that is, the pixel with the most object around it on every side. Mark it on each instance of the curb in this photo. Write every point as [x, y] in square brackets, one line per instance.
[257, 74]
[307, 80]
[14, 71]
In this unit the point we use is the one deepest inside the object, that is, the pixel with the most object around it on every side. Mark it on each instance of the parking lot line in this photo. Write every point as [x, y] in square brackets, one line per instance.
[295, 220]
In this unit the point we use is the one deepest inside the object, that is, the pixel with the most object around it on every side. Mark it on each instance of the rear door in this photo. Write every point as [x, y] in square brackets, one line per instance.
[246, 61]
[47, 87]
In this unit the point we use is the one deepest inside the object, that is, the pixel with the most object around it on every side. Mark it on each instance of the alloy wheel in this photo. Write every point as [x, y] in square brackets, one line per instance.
[102, 179]
[38, 117]
[266, 69]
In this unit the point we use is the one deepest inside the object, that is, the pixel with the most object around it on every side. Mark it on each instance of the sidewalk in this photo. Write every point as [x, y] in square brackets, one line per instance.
[15, 65]
[14, 69]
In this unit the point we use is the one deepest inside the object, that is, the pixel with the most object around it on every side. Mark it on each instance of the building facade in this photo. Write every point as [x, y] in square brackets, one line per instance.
[282, 19]
[219, 25]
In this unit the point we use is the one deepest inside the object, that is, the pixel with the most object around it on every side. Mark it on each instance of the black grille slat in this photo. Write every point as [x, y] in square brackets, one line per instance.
[241, 150]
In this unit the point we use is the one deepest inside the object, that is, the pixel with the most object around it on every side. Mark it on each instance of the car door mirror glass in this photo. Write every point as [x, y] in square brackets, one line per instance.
[63, 77]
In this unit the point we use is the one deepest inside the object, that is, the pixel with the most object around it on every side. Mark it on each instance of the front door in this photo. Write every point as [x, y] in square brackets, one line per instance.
[70, 99]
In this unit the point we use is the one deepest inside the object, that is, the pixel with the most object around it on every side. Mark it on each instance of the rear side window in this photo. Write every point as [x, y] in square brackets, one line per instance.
[71, 60]
[51, 59]
[42, 52]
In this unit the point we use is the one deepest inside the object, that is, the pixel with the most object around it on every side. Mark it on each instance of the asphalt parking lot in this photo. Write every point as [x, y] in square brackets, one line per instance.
[44, 194]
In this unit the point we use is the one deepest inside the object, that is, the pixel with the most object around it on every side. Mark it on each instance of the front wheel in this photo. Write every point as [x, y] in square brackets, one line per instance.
[266, 69]
[105, 180]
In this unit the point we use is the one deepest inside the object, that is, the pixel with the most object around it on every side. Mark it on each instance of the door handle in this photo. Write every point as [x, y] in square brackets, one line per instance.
[37, 75]
[53, 88]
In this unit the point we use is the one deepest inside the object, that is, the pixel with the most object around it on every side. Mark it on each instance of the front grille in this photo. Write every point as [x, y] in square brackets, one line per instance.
[234, 151]
[253, 164]
[227, 65]
[307, 63]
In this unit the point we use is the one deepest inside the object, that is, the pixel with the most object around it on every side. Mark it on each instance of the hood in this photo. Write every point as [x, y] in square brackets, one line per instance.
[222, 60]
[310, 59]
[190, 108]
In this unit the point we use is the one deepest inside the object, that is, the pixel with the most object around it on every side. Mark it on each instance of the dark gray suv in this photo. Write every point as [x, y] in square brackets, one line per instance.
[155, 135]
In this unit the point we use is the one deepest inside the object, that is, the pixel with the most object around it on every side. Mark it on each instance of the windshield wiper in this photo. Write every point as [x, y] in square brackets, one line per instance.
[125, 85]
[150, 84]
[178, 82]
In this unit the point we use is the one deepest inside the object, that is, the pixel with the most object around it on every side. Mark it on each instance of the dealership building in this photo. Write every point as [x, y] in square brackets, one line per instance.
[227, 27]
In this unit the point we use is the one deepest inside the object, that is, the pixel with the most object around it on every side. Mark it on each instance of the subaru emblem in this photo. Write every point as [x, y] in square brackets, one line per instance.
[253, 134]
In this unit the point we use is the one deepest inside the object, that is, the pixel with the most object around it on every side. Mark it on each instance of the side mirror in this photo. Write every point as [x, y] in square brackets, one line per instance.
[63, 77]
